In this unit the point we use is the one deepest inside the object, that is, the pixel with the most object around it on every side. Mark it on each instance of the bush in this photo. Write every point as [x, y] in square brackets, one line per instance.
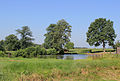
[2, 48]
[51, 52]
[19, 53]
[43, 51]
[30, 52]
[2, 54]
[61, 51]
[38, 50]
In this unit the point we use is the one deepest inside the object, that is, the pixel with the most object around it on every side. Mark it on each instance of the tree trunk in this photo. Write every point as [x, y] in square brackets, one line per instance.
[103, 46]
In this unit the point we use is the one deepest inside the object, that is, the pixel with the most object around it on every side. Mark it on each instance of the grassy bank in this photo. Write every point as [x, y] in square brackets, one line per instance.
[89, 51]
[21, 69]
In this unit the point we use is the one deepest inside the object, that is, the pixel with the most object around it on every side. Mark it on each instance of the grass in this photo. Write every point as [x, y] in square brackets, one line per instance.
[87, 51]
[34, 69]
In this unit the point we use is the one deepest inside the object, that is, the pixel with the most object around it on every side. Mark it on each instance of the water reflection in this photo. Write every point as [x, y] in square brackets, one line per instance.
[69, 58]
[66, 56]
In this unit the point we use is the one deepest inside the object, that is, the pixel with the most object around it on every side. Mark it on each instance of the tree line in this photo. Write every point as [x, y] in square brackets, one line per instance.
[58, 35]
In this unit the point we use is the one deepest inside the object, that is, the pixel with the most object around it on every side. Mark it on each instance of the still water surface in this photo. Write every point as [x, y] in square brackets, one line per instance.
[66, 56]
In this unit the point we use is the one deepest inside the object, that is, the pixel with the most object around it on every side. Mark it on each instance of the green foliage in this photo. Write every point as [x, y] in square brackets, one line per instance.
[2, 42]
[101, 32]
[12, 43]
[43, 51]
[69, 45]
[38, 50]
[30, 52]
[50, 36]
[61, 51]
[57, 35]
[2, 48]
[19, 53]
[51, 52]
[26, 35]
[2, 45]
[117, 44]
[2, 54]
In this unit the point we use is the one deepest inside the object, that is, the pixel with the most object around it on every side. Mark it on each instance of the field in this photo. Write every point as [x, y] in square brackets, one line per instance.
[35, 69]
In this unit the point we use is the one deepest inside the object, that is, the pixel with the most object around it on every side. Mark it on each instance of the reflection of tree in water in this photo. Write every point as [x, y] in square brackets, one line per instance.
[48, 56]
[57, 57]
[69, 58]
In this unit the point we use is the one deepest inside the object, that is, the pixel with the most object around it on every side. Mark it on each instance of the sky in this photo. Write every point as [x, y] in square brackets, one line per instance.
[39, 14]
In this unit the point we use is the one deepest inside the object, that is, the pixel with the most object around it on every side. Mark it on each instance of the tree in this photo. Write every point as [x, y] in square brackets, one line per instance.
[58, 35]
[26, 37]
[50, 36]
[117, 44]
[12, 43]
[2, 43]
[69, 45]
[101, 31]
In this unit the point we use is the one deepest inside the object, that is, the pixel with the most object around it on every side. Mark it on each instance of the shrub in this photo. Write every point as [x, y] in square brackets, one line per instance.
[61, 51]
[43, 51]
[29, 52]
[51, 51]
[38, 50]
[19, 53]
[33, 54]
[2, 48]
[2, 54]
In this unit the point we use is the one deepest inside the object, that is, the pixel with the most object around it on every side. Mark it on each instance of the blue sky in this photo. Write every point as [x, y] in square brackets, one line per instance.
[38, 14]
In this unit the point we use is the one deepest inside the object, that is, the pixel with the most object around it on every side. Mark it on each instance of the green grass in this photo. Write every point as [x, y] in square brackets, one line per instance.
[23, 69]
[79, 51]
[84, 51]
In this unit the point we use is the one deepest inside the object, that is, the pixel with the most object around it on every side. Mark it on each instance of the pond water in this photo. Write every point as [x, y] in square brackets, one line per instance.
[66, 56]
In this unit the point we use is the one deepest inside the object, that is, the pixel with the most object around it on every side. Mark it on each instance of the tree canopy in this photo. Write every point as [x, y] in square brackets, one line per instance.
[26, 36]
[12, 43]
[69, 45]
[57, 35]
[117, 44]
[101, 31]
[2, 45]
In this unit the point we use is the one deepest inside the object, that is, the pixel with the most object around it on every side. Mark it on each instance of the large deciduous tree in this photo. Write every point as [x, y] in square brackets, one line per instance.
[12, 43]
[58, 35]
[26, 37]
[50, 36]
[101, 31]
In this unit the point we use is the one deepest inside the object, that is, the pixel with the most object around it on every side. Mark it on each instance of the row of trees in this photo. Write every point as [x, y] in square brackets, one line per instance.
[12, 43]
[57, 36]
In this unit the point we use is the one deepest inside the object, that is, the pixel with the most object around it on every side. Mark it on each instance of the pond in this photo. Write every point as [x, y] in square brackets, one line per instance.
[66, 56]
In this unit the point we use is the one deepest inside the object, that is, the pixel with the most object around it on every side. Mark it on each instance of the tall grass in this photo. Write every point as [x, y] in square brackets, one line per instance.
[21, 69]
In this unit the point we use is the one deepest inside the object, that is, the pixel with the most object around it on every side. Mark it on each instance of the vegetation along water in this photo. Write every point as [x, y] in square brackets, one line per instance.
[57, 59]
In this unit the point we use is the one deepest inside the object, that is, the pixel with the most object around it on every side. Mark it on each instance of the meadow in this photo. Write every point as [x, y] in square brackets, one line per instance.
[89, 51]
[36, 69]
